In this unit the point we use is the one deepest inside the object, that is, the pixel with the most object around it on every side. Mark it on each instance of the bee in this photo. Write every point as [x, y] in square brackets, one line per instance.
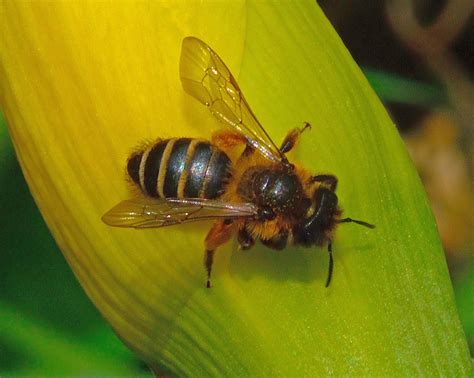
[240, 179]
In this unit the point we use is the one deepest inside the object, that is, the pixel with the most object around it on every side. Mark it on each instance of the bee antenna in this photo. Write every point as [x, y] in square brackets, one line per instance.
[331, 264]
[362, 223]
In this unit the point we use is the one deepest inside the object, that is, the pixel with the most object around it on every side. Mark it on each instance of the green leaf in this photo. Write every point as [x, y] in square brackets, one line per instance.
[390, 308]
[393, 88]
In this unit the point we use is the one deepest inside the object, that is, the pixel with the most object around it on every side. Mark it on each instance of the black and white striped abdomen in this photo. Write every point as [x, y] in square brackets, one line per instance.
[180, 168]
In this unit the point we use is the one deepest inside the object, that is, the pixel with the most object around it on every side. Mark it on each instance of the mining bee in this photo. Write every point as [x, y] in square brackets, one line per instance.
[240, 179]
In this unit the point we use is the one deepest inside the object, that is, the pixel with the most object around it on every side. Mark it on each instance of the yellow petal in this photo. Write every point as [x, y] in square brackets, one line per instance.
[83, 83]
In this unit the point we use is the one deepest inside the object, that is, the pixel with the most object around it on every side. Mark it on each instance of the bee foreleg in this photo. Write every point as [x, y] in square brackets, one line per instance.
[329, 181]
[219, 234]
[292, 138]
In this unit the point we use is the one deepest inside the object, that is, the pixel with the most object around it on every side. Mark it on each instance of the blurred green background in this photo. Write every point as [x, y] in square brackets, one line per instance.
[48, 325]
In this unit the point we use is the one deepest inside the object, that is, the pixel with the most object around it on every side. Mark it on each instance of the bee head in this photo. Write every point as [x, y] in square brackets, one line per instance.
[315, 228]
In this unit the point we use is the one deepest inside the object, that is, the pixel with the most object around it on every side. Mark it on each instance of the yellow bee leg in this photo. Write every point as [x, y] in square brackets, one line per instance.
[228, 140]
[292, 138]
[219, 234]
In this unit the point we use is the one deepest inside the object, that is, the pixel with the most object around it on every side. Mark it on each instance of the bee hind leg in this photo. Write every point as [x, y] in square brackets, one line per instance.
[208, 260]
[219, 234]
[292, 138]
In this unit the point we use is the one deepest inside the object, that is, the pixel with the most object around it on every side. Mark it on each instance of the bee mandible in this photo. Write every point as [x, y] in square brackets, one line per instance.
[257, 194]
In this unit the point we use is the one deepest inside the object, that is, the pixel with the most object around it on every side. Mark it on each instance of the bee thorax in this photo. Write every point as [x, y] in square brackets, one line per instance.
[273, 190]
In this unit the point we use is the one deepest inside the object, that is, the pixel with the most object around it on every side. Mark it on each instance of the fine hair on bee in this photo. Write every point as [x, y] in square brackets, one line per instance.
[255, 193]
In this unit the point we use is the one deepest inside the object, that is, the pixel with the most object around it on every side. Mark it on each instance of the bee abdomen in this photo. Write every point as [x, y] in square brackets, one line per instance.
[180, 168]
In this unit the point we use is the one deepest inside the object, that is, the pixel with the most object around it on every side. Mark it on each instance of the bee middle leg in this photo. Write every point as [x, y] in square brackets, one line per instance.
[219, 234]
[292, 138]
[245, 240]
[278, 242]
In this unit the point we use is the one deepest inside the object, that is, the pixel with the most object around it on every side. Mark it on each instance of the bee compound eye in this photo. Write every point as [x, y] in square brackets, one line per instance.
[266, 213]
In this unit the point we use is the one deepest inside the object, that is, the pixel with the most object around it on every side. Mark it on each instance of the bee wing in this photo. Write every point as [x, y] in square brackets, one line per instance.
[151, 213]
[205, 77]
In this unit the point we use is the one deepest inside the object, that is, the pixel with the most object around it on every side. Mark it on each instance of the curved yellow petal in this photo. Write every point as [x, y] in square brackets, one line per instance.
[83, 83]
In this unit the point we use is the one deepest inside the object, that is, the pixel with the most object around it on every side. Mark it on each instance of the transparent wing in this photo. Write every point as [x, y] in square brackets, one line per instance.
[205, 77]
[150, 213]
